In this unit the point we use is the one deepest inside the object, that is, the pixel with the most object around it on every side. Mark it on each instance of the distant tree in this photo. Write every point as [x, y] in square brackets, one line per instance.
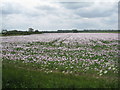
[4, 31]
[74, 30]
[14, 30]
[59, 31]
[36, 31]
[30, 30]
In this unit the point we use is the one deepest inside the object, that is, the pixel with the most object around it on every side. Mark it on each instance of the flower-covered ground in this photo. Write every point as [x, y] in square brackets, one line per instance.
[78, 54]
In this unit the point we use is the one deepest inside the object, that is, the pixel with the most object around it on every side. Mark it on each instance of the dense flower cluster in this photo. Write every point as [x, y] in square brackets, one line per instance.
[68, 52]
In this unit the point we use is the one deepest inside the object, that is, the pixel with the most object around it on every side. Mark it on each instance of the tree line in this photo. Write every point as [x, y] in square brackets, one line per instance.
[32, 31]
[16, 32]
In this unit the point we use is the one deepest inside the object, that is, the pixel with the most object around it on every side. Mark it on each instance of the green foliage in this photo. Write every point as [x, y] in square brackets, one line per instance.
[16, 75]
[15, 32]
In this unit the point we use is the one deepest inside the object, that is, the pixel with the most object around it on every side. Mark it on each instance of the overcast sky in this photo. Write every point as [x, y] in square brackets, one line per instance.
[55, 14]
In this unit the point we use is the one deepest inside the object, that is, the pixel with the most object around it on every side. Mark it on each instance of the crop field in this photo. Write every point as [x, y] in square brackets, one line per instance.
[60, 60]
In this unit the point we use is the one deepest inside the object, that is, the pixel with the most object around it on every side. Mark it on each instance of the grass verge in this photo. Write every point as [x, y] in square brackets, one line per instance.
[20, 77]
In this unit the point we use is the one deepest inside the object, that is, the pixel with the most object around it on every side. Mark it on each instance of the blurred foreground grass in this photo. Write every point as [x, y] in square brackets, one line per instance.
[21, 75]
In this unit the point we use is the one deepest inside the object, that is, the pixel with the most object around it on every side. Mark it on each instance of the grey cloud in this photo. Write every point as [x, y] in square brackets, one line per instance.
[47, 10]
[16, 8]
[85, 25]
[96, 12]
[65, 15]
[33, 13]
[76, 5]
[112, 20]
[10, 8]
[89, 10]
[93, 13]
[45, 7]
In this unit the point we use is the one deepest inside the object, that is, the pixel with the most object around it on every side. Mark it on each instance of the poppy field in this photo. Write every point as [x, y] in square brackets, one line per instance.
[60, 60]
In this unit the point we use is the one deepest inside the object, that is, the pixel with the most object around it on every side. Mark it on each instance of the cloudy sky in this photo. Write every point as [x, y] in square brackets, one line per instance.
[59, 14]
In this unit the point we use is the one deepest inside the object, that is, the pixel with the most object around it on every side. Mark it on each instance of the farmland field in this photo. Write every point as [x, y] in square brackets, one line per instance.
[60, 60]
